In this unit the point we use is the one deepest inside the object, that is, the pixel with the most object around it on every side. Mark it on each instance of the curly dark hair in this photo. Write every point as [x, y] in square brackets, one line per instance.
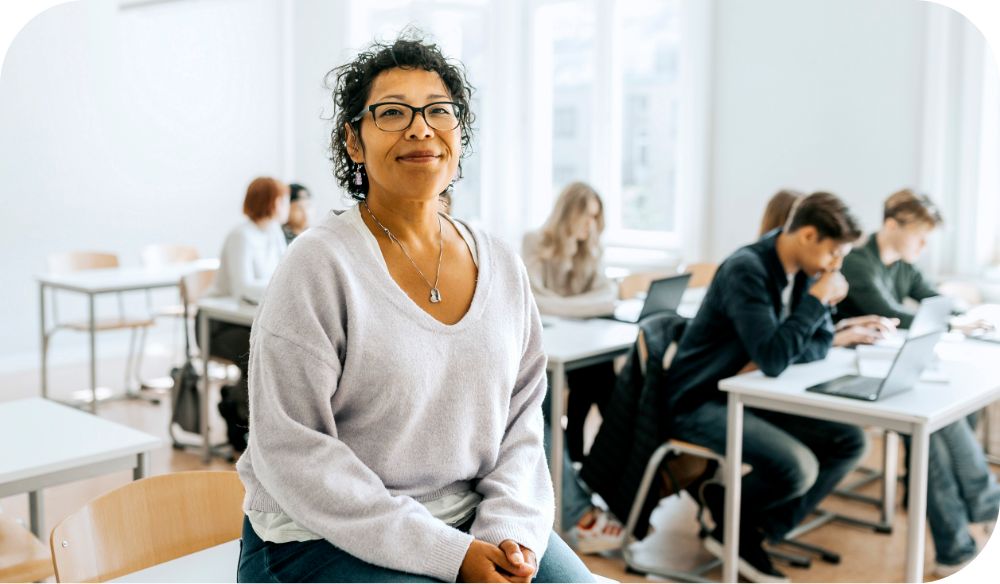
[351, 85]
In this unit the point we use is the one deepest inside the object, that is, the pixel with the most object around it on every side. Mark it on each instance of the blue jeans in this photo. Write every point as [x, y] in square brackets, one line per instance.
[796, 461]
[961, 489]
[575, 497]
[321, 561]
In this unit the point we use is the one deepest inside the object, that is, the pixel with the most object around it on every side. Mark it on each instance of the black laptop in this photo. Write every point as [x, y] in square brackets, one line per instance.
[917, 353]
[664, 296]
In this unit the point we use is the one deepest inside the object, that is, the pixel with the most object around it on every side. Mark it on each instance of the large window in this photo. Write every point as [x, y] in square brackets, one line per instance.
[607, 87]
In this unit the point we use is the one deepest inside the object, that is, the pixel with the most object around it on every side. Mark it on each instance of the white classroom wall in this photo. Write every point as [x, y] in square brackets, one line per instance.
[120, 128]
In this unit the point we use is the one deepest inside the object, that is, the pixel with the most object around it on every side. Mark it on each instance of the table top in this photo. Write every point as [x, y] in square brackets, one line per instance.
[972, 370]
[567, 340]
[42, 436]
[214, 564]
[125, 278]
[228, 309]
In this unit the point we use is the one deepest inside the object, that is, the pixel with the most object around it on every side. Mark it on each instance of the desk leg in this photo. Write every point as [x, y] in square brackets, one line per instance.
[93, 355]
[36, 513]
[734, 483]
[890, 466]
[917, 512]
[141, 469]
[555, 421]
[44, 342]
[206, 455]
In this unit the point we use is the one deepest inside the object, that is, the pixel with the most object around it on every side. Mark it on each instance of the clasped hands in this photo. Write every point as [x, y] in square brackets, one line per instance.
[508, 562]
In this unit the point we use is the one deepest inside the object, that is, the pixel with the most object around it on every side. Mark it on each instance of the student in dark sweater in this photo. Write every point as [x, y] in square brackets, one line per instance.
[767, 308]
[962, 489]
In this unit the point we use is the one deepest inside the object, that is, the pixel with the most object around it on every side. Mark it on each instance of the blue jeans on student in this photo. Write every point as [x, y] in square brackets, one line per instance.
[796, 461]
[321, 561]
[961, 489]
[576, 499]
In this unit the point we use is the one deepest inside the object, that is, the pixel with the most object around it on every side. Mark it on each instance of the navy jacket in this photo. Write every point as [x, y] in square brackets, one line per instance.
[739, 322]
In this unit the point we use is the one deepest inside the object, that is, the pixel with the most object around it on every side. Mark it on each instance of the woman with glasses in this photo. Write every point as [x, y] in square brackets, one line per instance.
[397, 371]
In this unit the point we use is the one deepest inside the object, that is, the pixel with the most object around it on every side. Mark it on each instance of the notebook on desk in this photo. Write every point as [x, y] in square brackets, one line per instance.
[664, 296]
[907, 367]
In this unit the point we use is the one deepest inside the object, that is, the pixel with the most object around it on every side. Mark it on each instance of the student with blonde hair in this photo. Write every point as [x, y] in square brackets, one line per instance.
[564, 262]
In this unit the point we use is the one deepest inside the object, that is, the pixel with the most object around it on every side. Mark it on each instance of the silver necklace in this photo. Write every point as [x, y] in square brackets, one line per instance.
[435, 293]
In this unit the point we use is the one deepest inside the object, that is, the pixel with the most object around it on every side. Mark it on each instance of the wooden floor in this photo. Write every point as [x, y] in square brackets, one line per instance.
[867, 556]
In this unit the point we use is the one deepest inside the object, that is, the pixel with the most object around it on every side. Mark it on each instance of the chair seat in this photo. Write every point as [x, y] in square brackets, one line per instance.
[111, 324]
[22, 557]
[173, 311]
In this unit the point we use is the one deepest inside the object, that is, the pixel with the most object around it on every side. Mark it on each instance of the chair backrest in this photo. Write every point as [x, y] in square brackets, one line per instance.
[195, 284]
[76, 261]
[164, 254]
[701, 273]
[638, 282]
[148, 522]
[22, 557]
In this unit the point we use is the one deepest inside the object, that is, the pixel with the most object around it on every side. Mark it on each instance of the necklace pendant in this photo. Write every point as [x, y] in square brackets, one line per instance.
[435, 295]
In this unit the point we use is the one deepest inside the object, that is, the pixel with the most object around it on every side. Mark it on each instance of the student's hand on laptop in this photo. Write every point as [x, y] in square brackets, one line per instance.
[830, 288]
[885, 326]
[973, 327]
[522, 558]
[856, 335]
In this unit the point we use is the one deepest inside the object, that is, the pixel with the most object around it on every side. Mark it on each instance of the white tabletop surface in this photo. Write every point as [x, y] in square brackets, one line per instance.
[42, 436]
[973, 370]
[127, 278]
[214, 564]
[232, 310]
[566, 340]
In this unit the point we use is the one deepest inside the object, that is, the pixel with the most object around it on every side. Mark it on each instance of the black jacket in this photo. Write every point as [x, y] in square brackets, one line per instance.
[631, 429]
[739, 322]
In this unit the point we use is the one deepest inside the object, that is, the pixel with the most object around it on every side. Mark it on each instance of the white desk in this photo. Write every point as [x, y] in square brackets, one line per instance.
[974, 370]
[95, 282]
[572, 344]
[215, 564]
[229, 310]
[48, 444]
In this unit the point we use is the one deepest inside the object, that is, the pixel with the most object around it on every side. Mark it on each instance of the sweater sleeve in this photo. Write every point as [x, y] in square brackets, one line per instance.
[598, 301]
[239, 257]
[318, 481]
[518, 501]
[870, 295]
[773, 345]
[919, 287]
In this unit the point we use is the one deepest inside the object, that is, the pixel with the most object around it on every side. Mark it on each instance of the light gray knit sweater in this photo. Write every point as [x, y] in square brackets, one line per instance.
[362, 404]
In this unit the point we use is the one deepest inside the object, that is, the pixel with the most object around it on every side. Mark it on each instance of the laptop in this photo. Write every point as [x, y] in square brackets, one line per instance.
[933, 315]
[917, 353]
[664, 296]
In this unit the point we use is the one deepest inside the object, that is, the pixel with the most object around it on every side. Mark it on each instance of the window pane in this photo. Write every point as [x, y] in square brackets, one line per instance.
[573, 30]
[650, 42]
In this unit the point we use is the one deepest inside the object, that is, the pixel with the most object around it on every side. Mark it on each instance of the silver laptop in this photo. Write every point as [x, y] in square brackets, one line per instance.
[910, 362]
[933, 315]
[664, 296]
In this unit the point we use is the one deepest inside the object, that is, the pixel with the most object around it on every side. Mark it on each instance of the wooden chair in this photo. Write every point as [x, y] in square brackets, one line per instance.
[701, 273]
[148, 522]
[88, 260]
[160, 255]
[22, 557]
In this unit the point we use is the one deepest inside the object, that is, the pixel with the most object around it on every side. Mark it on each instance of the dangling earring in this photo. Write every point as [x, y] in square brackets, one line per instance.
[357, 174]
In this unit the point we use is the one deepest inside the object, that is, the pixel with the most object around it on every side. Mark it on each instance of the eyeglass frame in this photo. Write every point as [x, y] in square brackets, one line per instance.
[413, 114]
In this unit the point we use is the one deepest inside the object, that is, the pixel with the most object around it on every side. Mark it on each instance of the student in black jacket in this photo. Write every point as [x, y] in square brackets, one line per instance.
[767, 308]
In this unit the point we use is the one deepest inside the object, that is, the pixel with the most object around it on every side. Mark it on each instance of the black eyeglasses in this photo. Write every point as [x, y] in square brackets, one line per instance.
[396, 117]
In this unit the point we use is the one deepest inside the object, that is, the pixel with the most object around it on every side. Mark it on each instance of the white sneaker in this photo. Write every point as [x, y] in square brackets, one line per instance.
[605, 534]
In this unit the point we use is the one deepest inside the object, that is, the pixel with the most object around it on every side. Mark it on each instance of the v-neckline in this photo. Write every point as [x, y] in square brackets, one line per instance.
[400, 298]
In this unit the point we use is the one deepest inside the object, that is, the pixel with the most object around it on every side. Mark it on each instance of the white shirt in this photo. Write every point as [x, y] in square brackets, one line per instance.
[249, 257]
